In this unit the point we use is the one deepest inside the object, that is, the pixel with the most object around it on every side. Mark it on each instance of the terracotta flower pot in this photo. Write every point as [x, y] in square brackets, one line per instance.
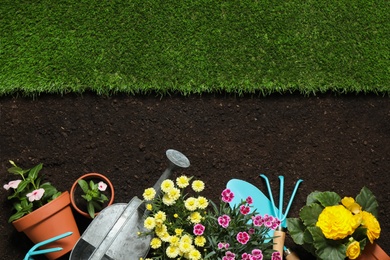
[50, 220]
[373, 252]
[75, 193]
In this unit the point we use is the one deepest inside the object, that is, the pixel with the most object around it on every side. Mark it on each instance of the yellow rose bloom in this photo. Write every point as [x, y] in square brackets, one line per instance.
[167, 185]
[172, 251]
[191, 204]
[200, 241]
[202, 202]
[371, 223]
[155, 243]
[149, 223]
[182, 181]
[353, 250]
[336, 222]
[149, 194]
[351, 205]
[197, 185]
[194, 255]
[195, 217]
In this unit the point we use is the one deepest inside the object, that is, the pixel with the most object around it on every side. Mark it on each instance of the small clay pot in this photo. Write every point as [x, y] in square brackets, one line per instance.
[79, 203]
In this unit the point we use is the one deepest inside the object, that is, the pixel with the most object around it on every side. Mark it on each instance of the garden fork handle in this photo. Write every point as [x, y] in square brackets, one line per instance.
[279, 237]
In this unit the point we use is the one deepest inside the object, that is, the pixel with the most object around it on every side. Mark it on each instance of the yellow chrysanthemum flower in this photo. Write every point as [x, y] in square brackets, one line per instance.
[178, 231]
[186, 239]
[160, 217]
[167, 185]
[353, 250]
[155, 243]
[336, 222]
[161, 230]
[371, 223]
[149, 206]
[194, 255]
[185, 247]
[174, 241]
[167, 200]
[203, 203]
[172, 251]
[182, 181]
[197, 185]
[149, 223]
[195, 217]
[149, 194]
[351, 205]
[174, 193]
[200, 241]
[191, 204]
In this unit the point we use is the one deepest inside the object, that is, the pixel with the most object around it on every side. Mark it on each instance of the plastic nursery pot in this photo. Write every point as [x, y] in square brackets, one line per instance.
[373, 252]
[79, 204]
[48, 221]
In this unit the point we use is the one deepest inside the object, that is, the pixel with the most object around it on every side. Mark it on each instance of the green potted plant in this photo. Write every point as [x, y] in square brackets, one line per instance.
[91, 193]
[40, 210]
[331, 227]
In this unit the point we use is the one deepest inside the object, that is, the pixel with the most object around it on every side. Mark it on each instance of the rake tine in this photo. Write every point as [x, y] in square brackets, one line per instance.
[292, 198]
[281, 195]
[269, 192]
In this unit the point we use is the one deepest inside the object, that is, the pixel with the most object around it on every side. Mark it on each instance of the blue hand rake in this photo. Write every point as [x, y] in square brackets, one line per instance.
[279, 241]
[32, 251]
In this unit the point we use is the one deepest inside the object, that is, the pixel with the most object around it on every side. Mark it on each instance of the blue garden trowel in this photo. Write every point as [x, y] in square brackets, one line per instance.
[261, 204]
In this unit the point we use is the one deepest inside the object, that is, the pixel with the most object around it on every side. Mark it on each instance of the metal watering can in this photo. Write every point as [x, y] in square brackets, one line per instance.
[113, 234]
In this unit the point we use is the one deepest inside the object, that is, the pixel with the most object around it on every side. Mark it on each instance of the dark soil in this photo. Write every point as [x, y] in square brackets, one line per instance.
[338, 143]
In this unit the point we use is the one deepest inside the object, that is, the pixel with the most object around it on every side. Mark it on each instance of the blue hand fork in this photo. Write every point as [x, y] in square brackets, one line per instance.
[279, 234]
[33, 251]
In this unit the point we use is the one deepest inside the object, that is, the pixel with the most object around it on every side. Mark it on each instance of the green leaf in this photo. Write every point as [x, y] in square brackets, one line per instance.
[16, 170]
[84, 186]
[49, 190]
[309, 214]
[360, 233]
[92, 185]
[103, 197]
[22, 185]
[16, 216]
[296, 229]
[312, 198]
[367, 200]
[326, 248]
[91, 210]
[56, 195]
[33, 174]
[328, 198]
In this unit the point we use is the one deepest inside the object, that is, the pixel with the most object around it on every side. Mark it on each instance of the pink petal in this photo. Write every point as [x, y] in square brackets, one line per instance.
[102, 186]
[12, 184]
[35, 194]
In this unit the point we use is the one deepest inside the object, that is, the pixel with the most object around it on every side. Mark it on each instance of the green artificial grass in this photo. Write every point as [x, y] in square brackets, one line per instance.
[110, 46]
